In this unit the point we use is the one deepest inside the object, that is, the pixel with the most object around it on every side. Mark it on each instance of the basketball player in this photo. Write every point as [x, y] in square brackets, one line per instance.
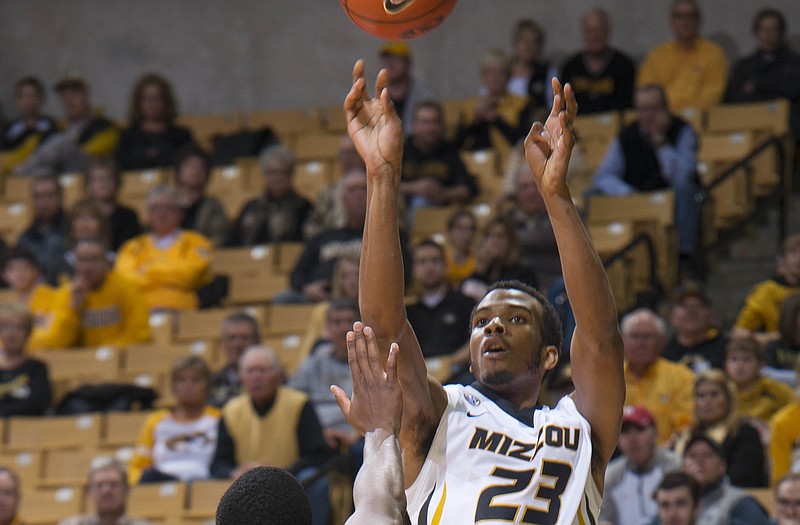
[486, 452]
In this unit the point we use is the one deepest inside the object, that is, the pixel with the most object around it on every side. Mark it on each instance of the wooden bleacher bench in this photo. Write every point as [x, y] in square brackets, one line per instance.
[286, 123]
[733, 199]
[311, 177]
[603, 126]
[37, 433]
[72, 368]
[204, 497]
[27, 464]
[608, 239]
[430, 222]
[205, 325]
[204, 127]
[65, 467]
[287, 255]
[135, 186]
[484, 165]
[162, 502]
[15, 217]
[50, 506]
[121, 429]
[333, 119]
[317, 146]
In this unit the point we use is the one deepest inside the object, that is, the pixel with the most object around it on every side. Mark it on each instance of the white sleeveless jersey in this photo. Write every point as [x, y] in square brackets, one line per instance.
[487, 467]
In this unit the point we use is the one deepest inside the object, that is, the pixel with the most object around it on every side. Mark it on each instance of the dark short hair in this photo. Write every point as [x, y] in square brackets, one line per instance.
[243, 317]
[770, 12]
[677, 479]
[429, 104]
[32, 81]
[429, 243]
[451, 221]
[21, 253]
[699, 437]
[264, 496]
[189, 151]
[747, 345]
[104, 163]
[343, 305]
[655, 88]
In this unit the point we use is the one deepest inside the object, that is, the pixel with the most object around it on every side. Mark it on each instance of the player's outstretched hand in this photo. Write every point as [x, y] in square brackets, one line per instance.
[373, 125]
[548, 146]
[377, 401]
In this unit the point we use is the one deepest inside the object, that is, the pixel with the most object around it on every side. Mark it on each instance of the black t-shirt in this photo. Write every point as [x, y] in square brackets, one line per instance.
[610, 89]
[25, 390]
[710, 352]
[444, 328]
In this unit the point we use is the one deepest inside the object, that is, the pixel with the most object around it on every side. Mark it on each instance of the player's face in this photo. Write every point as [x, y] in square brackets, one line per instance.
[638, 443]
[742, 367]
[190, 387]
[703, 464]
[675, 506]
[506, 340]
[710, 403]
[787, 499]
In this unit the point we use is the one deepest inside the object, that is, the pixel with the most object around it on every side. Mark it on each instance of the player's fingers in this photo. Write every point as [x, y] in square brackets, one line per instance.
[352, 360]
[391, 363]
[381, 81]
[572, 104]
[536, 133]
[361, 351]
[373, 355]
[342, 400]
[557, 96]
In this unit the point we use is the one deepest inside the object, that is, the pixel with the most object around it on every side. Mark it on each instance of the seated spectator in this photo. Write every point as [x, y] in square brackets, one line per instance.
[772, 71]
[720, 502]
[459, 254]
[433, 173]
[178, 443]
[23, 134]
[271, 425]
[239, 332]
[9, 497]
[601, 77]
[758, 396]
[311, 277]
[787, 500]
[696, 341]
[530, 75]
[661, 386]
[47, 234]
[678, 499]
[632, 477]
[784, 438]
[102, 186]
[656, 152]
[24, 382]
[761, 311]
[98, 307]
[169, 265]
[691, 70]
[493, 121]
[780, 355]
[85, 220]
[202, 213]
[439, 315]
[278, 215]
[496, 259]
[328, 366]
[151, 139]
[715, 417]
[537, 242]
[86, 134]
[404, 90]
[108, 493]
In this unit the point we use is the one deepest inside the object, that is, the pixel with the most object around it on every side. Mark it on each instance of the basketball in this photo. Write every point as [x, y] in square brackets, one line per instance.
[397, 19]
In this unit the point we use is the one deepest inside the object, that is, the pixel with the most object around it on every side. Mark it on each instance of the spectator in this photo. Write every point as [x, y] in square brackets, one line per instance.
[758, 396]
[692, 70]
[9, 497]
[86, 220]
[772, 71]
[86, 134]
[493, 121]
[328, 366]
[601, 77]
[433, 173]
[169, 265]
[439, 315]
[654, 153]
[238, 333]
[497, 258]
[151, 138]
[108, 492]
[47, 235]
[98, 306]
[202, 214]
[102, 185]
[530, 76]
[636, 473]
[784, 440]
[663, 387]
[278, 215]
[715, 417]
[720, 502]
[24, 382]
[404, 90]
[271, 425]
[537, 242]
[761, 309]
[696, 341]
[787, 500]
[782, 354]
[178, 443]
[30, 128]
[459, 255]
[678, 499]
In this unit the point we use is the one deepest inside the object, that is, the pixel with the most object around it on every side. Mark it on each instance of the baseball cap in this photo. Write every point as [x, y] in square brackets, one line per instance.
[692, 291]
[71, 80]
[703, 438]
[397, 49]
[638, 415]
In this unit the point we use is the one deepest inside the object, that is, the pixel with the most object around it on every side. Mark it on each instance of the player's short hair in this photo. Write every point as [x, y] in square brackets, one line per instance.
[678, 479]
[264, 496]
[552, 334]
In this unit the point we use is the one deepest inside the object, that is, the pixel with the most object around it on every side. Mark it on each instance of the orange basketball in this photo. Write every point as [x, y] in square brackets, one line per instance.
[396, 20]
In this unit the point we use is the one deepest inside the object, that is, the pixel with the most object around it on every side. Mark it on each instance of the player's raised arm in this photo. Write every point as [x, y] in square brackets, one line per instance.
[596, 352]
[377, 134]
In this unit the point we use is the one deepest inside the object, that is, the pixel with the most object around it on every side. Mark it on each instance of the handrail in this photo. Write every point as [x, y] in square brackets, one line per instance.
[702, 196]
[641, 238]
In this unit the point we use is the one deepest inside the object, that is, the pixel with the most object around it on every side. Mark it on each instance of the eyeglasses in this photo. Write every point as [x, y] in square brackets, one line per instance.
[788, 503]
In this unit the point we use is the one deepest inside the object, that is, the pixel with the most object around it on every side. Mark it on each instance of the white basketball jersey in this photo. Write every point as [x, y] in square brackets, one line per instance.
[487, 467]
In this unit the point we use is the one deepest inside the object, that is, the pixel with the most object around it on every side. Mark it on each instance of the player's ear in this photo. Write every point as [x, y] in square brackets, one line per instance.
[549, 357]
